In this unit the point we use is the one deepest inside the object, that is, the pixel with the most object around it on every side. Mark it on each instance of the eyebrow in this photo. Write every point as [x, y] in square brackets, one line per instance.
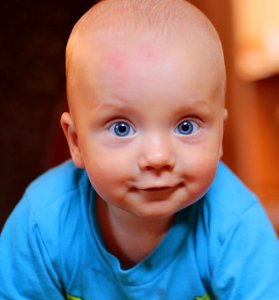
[106, 109]
[116, 103]
[191, 104]
[196, 104]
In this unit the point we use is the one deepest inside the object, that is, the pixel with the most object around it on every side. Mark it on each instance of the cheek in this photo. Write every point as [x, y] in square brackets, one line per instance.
[199, 167]
[102, 170]
[107, 172]
[202, 169]
[104, 180]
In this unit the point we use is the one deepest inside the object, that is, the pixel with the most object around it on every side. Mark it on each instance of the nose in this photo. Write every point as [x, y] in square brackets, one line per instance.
[156, 153]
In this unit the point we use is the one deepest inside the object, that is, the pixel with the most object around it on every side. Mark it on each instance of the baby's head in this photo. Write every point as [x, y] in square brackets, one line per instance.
[145, 85]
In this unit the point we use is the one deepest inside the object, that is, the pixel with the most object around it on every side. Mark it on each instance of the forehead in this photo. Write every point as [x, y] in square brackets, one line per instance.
[126, 65]
[145, 77]
[145, 61]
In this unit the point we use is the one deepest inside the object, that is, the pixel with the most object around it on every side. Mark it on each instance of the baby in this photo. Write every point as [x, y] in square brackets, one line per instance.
[145, 209]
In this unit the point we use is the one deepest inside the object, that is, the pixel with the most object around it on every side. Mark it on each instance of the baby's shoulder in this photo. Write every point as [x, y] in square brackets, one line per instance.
[56, 186]
[228, 204]
[228, 194]
[54, 214]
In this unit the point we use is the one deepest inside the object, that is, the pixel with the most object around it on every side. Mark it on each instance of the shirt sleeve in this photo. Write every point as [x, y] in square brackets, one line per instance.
[247, 263]
[26, 270]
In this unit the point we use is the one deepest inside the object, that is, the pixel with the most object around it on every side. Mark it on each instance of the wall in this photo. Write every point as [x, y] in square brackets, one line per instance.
[33, 38]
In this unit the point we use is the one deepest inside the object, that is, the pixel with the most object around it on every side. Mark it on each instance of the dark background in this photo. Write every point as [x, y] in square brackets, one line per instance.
[32, 83]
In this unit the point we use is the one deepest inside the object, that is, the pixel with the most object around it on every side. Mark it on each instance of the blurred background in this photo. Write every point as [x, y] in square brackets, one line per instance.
[33, 39]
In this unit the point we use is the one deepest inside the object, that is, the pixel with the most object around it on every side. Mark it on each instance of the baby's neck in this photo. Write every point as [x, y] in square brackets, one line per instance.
[128, 237]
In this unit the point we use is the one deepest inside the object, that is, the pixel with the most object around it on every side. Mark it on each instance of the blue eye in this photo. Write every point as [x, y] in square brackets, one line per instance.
[121, 129]
[186, 127]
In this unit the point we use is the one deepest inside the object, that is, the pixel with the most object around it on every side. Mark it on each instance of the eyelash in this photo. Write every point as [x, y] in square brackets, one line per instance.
[123, 129]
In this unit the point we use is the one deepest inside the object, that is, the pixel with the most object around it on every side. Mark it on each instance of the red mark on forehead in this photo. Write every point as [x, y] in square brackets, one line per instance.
[122, 59]
[125, 67]
[117, 59]
[149, 52]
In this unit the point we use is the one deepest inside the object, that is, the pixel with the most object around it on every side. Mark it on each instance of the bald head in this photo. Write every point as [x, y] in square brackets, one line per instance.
[162, 17]
[128, 21]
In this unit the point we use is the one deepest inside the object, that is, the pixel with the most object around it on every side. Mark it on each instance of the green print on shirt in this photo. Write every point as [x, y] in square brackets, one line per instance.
[69, 297]
[205, 297]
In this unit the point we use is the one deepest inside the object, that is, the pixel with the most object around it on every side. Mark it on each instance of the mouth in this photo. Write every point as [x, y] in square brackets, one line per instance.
[158, 189]
[158, 193]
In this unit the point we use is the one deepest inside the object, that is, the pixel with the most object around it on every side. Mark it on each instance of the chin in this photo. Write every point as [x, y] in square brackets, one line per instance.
[158, 213]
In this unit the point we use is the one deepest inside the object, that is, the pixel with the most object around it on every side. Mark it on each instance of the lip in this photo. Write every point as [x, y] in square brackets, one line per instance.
[158, 186]
[157, 189]
[157, 193]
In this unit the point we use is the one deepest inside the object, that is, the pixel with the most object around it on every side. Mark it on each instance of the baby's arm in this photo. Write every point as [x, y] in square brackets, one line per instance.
[26, 270]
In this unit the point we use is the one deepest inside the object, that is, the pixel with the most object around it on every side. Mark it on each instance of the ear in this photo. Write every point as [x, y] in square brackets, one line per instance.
[72, 139]
[225, 117]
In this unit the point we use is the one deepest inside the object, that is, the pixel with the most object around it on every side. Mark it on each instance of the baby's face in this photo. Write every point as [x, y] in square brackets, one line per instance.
[149, 123]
